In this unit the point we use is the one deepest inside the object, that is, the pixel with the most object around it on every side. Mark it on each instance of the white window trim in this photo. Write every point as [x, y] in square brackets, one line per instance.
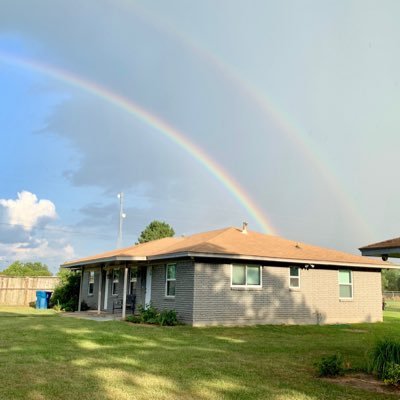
[112, 281]
[292, 276]
[169, 280]
[90, 274]
[246, 286]
[346, 284]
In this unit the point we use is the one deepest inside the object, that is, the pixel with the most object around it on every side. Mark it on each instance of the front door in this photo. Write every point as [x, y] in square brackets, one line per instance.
[147, 298]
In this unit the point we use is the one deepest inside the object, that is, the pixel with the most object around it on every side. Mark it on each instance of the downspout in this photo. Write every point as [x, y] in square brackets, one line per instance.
[80, 290]
[124, 292]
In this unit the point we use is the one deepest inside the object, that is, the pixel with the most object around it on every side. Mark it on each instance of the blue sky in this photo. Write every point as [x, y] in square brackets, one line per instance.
[297, 101]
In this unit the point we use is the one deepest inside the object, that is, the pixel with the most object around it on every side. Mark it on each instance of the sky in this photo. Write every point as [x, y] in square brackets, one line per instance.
[204, 114]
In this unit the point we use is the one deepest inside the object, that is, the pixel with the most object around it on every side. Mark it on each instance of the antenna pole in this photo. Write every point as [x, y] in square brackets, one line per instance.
[121, 218]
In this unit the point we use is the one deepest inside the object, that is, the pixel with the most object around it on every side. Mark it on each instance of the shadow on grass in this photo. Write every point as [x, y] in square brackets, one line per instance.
[62, 358]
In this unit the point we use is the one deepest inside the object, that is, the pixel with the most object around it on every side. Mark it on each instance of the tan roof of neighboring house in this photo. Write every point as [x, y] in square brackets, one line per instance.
[233, 243]
[387, 244]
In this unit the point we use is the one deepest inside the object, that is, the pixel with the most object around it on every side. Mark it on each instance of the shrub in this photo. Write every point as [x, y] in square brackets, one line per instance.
[148, 315]
[136, 319]
[66, 294]
[151, 315]
[330, 365]
[385, 352]
[168, 317]
[392, 374]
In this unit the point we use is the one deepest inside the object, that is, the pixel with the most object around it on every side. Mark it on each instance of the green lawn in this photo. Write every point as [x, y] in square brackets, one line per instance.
[46, 356]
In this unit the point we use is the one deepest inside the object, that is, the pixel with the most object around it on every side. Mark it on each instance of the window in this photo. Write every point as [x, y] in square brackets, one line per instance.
[345, 284]
[246, 275]
[170, 280]
[132, 280]
[294, 277]
[115, 282]
[91, 283]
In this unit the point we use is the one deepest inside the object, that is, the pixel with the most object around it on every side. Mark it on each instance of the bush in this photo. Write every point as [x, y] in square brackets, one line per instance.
[135, 319]
[66, 294]
[385, 353]
[392, 374]
[168, 317]
[330, 365]
[150, 315]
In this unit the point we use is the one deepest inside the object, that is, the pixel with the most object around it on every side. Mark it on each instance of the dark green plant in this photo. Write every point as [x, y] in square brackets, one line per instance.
[168, 317]
[148, 315]
[392, 374]
[330, 365]
[136, 319]
[385, 352]
[66, 294]
[151, 315]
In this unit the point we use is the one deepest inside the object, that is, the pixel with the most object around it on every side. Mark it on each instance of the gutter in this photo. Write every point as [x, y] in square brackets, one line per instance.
[271, 259]
[102, 260]
[190, 254]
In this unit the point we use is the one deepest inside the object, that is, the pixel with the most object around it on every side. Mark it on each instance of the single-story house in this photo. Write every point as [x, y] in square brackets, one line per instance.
[385, 249]
[235, 276]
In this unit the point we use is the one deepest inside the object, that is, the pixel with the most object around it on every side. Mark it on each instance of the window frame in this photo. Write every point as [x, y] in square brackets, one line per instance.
[91, 292]
[131, 277]
[169, 280]
[113, 281]
[351, 284]
[246, 285]
[294, 277]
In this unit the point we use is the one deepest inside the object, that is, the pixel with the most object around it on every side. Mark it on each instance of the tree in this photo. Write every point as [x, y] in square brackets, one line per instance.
[19, 268]
[391, 280]
[66, 294]
[156, 230]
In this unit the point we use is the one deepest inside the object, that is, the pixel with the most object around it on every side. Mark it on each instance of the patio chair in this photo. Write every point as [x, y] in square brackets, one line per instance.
[130, 303]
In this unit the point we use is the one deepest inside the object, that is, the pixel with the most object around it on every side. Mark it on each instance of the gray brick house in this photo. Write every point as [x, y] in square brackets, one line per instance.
[236, 277]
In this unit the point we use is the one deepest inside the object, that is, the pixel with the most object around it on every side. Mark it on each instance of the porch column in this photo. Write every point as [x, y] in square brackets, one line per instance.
[124, 292]
[99, 294]
[80, 290]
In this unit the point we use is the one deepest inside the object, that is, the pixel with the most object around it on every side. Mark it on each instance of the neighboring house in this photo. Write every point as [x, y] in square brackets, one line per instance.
[386, 249]
[234, 277]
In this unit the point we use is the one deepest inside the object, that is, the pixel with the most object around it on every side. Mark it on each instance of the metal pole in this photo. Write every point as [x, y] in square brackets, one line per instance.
[121, 217]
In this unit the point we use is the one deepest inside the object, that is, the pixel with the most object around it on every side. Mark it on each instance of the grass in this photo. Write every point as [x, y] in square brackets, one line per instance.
[46, 356]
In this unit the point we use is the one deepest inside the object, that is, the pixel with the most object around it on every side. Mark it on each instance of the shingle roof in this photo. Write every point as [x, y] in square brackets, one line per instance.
[387, 244]
[233, 243]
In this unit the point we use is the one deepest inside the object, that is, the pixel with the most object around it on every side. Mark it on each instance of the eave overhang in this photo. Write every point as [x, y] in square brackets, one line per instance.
[73, 264]
[383, 265]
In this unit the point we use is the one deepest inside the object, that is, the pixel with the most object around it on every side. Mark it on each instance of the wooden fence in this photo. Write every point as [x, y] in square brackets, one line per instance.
[21, 290]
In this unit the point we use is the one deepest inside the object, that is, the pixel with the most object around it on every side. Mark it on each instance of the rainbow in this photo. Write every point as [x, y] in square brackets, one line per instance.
[287, 126]
[151, 120]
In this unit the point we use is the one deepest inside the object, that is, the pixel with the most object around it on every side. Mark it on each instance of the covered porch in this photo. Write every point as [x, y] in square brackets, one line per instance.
[114, 288]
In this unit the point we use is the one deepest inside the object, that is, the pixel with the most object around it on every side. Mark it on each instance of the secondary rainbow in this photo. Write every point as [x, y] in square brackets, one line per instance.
[286, 124]
[149, 119]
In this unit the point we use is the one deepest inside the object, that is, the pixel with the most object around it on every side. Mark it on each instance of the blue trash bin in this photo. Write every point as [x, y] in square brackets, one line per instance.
[41, 299]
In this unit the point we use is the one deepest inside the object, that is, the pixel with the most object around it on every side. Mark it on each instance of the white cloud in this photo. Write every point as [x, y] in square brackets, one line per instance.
[52, 253]
[27, 210]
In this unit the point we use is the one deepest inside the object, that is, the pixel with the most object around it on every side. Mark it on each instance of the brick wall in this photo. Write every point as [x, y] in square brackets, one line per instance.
[183, 301]
[317, 300]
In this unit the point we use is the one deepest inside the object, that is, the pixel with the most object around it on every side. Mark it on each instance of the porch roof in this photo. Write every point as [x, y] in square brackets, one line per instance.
[233, 243]
[387, 248]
